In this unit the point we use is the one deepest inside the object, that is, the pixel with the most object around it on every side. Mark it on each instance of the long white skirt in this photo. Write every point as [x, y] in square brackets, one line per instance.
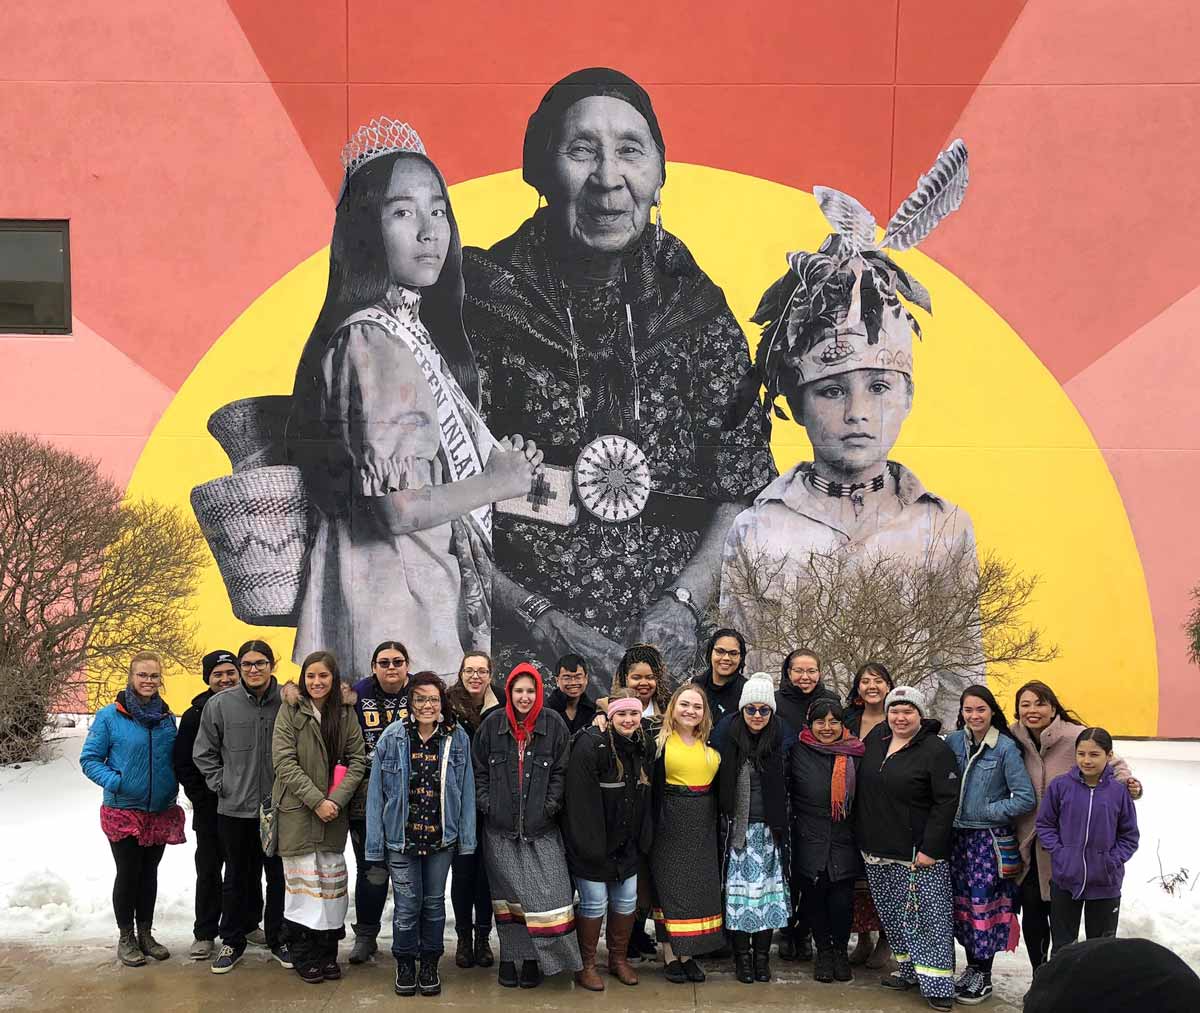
[315, 890]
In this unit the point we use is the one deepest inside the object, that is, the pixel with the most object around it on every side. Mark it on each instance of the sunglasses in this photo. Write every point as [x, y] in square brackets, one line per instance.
[756, 711]
[392, 663]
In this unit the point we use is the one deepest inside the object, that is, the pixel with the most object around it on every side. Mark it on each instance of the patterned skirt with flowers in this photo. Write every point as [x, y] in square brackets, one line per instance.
[985, 920]
[756, 897]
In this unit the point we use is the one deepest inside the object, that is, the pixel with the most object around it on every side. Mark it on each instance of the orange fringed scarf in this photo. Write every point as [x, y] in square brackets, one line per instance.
[841, 787]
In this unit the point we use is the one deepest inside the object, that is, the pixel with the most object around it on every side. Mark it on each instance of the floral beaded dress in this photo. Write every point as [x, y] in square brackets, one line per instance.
[690, 350]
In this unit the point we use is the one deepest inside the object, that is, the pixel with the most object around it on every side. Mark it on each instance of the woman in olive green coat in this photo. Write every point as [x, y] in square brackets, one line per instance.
[320, 760]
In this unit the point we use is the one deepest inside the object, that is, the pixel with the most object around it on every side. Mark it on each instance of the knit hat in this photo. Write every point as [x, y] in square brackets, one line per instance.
[215, 658]
[624, 703]
[909, 695]
[759, 688]
[1110, 975]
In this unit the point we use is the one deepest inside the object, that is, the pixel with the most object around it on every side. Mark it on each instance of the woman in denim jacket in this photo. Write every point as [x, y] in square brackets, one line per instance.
[995, 789]
[421, 811]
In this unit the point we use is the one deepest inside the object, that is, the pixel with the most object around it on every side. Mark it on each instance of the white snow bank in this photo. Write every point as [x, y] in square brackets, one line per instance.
[56, 869]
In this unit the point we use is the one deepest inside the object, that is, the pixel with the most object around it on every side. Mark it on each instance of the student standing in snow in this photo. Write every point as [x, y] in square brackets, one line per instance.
[233, 752]
[822, 779]
[752, 792]
[220, 672]
[864, 712]
[1048, 731]
[907, 795]
[320, 761]
[420, 813]
[520, 758]
[994, 789]
[1088, 825]
[381, 698]
[128, 752]
[607, 831]
[470, 700]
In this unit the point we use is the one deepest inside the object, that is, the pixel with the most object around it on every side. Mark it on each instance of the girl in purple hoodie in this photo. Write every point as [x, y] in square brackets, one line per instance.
[1088, 825]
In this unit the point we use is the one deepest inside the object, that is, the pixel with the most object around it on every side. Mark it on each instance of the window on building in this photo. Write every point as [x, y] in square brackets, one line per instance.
[35, 277]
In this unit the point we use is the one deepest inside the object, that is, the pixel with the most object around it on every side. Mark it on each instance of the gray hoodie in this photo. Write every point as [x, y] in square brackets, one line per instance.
[233, 748]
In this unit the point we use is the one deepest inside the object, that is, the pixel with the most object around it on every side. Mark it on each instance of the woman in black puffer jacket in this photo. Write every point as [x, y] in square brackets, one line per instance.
[822, 777]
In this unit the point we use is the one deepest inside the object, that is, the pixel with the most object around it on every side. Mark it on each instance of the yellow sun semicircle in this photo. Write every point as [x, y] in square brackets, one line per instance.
[990, 430]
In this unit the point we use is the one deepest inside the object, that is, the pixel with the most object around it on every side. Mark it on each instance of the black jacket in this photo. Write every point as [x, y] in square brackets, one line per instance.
[203, 798]
[906, 803]
[606, 814]
[526, 810]
[773, 780]
[818, 843]
[584, 712]
[722, 700]
[792, 705]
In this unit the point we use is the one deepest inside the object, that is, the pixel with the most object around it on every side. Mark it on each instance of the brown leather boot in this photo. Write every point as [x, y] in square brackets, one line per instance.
[619, 929]
[587, 931]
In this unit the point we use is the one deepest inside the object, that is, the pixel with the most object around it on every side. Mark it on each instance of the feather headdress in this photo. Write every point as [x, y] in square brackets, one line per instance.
[840, 309]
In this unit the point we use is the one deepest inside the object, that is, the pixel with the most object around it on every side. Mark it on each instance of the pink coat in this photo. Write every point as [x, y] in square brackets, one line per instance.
[1053, 756]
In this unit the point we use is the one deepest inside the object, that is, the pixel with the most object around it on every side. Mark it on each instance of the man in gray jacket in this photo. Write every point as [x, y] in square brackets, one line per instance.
[233, 752]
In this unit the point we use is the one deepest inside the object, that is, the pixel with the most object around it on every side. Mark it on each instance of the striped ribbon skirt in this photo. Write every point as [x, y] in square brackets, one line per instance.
[685, 866]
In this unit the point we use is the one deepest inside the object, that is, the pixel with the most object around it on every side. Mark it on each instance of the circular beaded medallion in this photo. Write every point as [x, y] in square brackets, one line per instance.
[612, 478]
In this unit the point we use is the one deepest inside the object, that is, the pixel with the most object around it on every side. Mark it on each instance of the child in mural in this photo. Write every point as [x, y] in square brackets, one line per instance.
[384, 425]
[838, 347]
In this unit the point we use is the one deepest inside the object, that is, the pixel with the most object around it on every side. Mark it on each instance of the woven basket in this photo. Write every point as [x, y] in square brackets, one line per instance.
[251, 431]
[256, 524]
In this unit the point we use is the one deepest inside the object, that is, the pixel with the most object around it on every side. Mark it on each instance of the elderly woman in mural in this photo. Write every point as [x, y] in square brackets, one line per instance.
[598, 335]
[385, 427]
[838, 347]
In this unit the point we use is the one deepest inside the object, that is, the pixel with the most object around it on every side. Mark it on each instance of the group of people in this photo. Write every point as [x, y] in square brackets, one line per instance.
[728, 809]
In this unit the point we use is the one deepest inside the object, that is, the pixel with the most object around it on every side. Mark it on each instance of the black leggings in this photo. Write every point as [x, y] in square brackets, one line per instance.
[136, 887]
[1099, 917]
[1035, 914]
[829, 908]
[470, 895]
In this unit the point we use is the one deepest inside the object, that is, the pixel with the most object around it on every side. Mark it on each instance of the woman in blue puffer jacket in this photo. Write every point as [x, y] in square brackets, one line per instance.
[994, 789]
[129, 753]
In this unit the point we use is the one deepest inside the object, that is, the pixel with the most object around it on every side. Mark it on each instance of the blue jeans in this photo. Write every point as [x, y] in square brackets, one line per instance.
[419, 898]
[595, 897]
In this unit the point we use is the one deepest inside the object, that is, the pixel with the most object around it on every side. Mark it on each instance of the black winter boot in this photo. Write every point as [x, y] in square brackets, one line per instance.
[464, 954]
[823, 966]
[841, 965]
[406, 976]
[483, 948]
[743, 965]
[428, 981]
[762, 955]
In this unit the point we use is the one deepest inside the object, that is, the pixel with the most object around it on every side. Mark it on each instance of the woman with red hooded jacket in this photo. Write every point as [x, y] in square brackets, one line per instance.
[520, 756]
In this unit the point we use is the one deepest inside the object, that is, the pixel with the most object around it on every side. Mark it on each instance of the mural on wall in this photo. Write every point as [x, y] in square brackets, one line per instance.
[1052, 387]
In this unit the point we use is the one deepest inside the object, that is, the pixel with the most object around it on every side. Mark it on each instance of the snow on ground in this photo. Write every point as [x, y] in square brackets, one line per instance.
[56, 870]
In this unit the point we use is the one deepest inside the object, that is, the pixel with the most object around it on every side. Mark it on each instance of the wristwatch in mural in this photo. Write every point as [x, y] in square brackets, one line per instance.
[684, 596]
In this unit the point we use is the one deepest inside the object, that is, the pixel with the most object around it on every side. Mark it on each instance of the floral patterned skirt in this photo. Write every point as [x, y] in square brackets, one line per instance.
[756, 897]
[865, 917]
[985, 920]
[150, 829]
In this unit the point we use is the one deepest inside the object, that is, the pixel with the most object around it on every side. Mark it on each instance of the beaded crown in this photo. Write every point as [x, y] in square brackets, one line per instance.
[381, 136]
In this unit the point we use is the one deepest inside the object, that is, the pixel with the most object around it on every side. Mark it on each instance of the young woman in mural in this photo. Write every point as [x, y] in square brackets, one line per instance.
[994, 789]
[1088, 825]
[864, 712]
[385, 427]
[1047, 731]
[129, 753]
[684, 860]
[752, 791]
[599, 336]
[520, 754]
[837, 346]
[470, 700]
[319, 759]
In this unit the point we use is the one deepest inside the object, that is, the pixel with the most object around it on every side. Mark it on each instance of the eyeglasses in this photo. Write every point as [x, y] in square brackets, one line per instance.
[759, 711]
[253, 666]
[426, 701]
[391, 662]
[572, 677]
[476, 671]
[804, 671]
[720, 652]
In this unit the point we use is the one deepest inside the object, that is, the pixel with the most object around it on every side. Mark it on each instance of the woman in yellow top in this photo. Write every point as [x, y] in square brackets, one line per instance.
[684, 860]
